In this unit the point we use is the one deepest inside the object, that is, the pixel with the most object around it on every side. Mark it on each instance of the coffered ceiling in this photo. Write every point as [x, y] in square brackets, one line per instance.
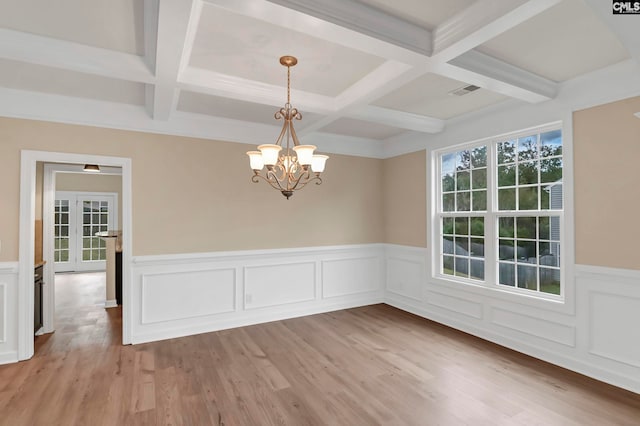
[369, 71]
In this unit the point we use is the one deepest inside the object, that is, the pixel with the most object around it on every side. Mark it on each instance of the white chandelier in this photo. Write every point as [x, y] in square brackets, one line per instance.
[286, 171]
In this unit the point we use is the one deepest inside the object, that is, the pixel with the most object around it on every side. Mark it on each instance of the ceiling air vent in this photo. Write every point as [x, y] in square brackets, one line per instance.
[464, 90]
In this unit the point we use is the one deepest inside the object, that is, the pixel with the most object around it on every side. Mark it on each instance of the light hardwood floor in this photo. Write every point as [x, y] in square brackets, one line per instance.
[365, 366]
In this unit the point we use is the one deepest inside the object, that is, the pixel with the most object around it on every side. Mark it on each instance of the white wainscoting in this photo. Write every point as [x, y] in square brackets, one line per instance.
[600, 338]
[179, 295]
[8, 312]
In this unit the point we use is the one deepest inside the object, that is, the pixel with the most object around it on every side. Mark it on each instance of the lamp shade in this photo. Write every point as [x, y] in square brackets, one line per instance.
[305, 154]
[270, 153]
[255, 160]
[318, 162]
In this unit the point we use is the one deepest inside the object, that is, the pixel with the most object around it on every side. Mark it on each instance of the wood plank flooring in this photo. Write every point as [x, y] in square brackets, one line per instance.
[374, 365]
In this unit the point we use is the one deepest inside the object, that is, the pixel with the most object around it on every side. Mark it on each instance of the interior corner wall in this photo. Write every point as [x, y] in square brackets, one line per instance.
[607, 177]
[405, 199]
[194, 195]
[589, 332]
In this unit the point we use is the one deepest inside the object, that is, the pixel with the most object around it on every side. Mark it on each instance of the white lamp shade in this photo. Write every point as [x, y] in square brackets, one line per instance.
[318, 162]
[270, 153]
[255, 159]
[305, 154]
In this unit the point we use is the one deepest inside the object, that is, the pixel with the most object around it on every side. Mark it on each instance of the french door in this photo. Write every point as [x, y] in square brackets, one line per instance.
[78, 217]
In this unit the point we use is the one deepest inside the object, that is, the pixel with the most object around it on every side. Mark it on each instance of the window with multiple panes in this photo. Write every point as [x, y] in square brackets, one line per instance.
[500, 212]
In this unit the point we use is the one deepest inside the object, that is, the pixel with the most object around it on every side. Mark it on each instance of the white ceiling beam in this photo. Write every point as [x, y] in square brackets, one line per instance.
[348, 145]
[177, 24]
[480, 22]
[228, 86]
[375, 42]
[150, 20]
[151, 8]
[384, 79]
[34, 49]
[493, 74]
[400, 119]
[367, 20]
[624, 27]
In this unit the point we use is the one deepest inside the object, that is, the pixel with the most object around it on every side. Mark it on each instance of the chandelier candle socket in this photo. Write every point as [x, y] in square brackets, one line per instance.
[290, 165]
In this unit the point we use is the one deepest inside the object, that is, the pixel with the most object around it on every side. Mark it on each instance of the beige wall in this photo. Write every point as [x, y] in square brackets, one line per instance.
[87, 182]
[607, 184]
[195, 195]
[405, 199]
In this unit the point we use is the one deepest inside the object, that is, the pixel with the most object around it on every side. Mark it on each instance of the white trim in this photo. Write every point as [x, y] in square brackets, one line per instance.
[185, 258]
[9, 267]
[8, 357]
[110, 303]
[3, 312]
[28, 162]
[585, 271]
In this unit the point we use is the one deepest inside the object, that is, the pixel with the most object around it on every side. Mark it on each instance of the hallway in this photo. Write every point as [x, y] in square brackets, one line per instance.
[81, 321]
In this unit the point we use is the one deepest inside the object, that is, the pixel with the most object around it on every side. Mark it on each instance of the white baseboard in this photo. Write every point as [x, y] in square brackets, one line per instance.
[8, 357]
[110, 304]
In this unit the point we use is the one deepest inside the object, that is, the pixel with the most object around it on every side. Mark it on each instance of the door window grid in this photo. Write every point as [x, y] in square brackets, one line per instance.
[61, 231]
[95, 218]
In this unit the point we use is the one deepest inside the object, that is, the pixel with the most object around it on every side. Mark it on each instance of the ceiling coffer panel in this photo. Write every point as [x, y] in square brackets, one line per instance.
[233, 44]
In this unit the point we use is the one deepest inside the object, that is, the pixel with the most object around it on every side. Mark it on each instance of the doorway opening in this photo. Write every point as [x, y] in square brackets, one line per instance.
[26, 289]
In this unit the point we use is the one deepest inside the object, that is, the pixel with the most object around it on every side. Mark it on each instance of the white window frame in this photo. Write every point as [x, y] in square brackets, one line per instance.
[490, 282]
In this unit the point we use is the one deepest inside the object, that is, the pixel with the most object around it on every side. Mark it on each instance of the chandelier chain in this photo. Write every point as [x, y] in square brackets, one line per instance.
[288, 84]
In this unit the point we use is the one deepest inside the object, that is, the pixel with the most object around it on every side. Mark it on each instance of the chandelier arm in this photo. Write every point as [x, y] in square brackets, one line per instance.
[315, 179]
[256, 179]
[274, 181]
[306, 175]
[294, 136]
[282, 132]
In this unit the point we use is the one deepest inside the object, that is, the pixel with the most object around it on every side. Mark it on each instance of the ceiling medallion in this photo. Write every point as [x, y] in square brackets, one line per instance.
[287, 171]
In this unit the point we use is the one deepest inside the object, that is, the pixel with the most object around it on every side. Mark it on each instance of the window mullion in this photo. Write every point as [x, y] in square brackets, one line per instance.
[490, 221]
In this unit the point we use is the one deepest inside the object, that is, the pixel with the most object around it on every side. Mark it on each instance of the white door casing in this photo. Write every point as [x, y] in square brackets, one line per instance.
[28, 161]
